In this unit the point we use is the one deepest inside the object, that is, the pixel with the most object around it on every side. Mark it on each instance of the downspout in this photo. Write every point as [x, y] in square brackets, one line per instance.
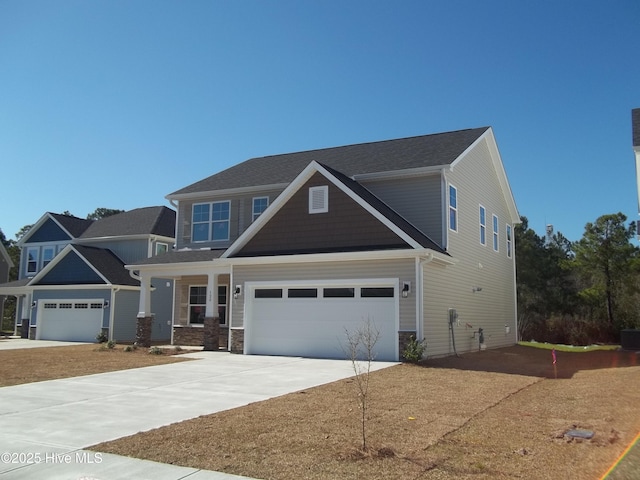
[515, 285]
[112, 307]
[420, 265]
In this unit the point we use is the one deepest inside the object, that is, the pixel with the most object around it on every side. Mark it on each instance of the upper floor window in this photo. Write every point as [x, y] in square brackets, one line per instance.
[210, 221]
[495, 233]
[161, 248]
[453, 208]
[509, 241]
[483, 225]
[260, 204]
[32, 260]
[47, 255]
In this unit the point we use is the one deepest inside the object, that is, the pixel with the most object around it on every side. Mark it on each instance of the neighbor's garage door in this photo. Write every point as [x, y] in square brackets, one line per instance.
[69, 320]
[312, 321]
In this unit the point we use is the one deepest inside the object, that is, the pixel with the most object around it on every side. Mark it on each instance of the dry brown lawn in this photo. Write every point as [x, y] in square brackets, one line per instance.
[490, 415]
[28, 365]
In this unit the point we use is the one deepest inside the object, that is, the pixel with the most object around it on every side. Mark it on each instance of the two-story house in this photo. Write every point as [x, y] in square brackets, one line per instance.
[289, 252]
[72, 281]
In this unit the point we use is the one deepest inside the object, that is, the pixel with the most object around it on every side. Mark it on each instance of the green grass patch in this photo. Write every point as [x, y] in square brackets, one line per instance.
[568, 348]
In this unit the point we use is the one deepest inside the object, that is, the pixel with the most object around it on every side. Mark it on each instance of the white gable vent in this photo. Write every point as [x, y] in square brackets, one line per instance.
[319, 199]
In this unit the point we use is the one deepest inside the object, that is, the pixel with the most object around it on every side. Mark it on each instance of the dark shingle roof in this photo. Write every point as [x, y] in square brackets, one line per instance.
[108, 264]
[405, 153]
[140, 221]
[635, 121]
[74, 225]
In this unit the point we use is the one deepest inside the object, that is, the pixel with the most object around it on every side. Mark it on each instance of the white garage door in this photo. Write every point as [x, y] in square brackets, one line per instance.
[312, 321]
[69, 320]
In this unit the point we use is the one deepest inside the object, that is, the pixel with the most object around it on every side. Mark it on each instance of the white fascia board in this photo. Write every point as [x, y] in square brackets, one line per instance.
[141, 236]
[37, 225]
[345, 257]
[177, 270]
[272, 209]
[500, 171]
[226, 192]
[84, 287]
[393, 174]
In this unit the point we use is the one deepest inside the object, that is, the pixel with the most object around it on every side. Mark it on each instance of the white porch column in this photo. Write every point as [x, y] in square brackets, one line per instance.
[144, 308]
[211, 310]
[144, 322]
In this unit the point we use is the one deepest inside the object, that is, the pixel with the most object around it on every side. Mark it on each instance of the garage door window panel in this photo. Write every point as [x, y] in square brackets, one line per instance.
[268, 293]
[339, 292]
[377, 292]
[302, 293]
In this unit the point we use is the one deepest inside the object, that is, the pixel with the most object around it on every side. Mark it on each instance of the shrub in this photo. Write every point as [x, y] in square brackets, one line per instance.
[155, 351]
[414, 351]
[111, 344]
[101, 337]
[129, 348]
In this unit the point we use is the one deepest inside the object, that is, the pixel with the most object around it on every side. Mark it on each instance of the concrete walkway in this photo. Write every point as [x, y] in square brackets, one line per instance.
[44, 426]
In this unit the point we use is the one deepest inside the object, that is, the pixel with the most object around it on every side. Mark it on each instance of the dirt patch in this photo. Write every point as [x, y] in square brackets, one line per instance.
[497, 414]
[29, 365]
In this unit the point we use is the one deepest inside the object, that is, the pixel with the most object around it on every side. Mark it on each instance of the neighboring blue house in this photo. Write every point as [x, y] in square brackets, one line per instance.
[72, 283]
[6, 264]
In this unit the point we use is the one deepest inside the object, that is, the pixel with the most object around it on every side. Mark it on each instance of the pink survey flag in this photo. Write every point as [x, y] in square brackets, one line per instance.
[553, 355]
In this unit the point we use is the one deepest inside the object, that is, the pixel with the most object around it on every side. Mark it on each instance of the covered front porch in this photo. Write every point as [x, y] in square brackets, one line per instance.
[201, 298]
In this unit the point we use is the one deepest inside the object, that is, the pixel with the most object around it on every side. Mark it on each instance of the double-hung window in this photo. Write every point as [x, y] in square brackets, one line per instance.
[509, 241]
[47, 255]
[260, 204]
[495, 233]
[483, 225]
[210, 221]
[197, 303]
[32, 260]
[453, 208]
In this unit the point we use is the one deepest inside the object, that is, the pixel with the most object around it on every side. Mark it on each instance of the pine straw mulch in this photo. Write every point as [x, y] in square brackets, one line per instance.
[489, 415]
[27, 365]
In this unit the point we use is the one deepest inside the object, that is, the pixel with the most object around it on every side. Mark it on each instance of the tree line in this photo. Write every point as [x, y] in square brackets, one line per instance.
[579, 292]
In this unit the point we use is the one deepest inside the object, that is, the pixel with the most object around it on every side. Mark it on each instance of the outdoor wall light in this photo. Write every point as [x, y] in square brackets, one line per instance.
[33, 304]
[105, 304]
[406, 288]
[237, 291]
[476, 289]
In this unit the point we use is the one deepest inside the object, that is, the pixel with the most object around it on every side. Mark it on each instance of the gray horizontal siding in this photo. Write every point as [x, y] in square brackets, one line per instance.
[477, 265]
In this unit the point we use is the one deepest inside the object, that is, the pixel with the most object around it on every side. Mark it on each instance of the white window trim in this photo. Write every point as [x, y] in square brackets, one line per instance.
[162, 243]
[211, 222]
[36, 261]
[255, 215]
[483, 225]
[496, 225]
[52, 249]
[315, 193]
[225, 304]
[509, 233]
[189, 305]
[451, 208]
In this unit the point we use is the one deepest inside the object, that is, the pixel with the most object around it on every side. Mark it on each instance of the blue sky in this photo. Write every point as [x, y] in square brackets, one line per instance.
[117, 103]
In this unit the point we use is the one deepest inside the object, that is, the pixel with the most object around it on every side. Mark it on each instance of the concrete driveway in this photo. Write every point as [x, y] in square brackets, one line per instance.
[44, 426]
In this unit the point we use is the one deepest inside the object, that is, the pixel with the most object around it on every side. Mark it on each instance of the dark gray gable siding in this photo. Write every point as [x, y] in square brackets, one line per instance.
[140, 221]
[390, 155]
[345, 227]
[635, 121]
[49, 231]
[71, 270]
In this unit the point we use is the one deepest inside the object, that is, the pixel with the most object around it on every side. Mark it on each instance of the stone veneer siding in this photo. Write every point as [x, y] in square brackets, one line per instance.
[237, 340]
[194, 336]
